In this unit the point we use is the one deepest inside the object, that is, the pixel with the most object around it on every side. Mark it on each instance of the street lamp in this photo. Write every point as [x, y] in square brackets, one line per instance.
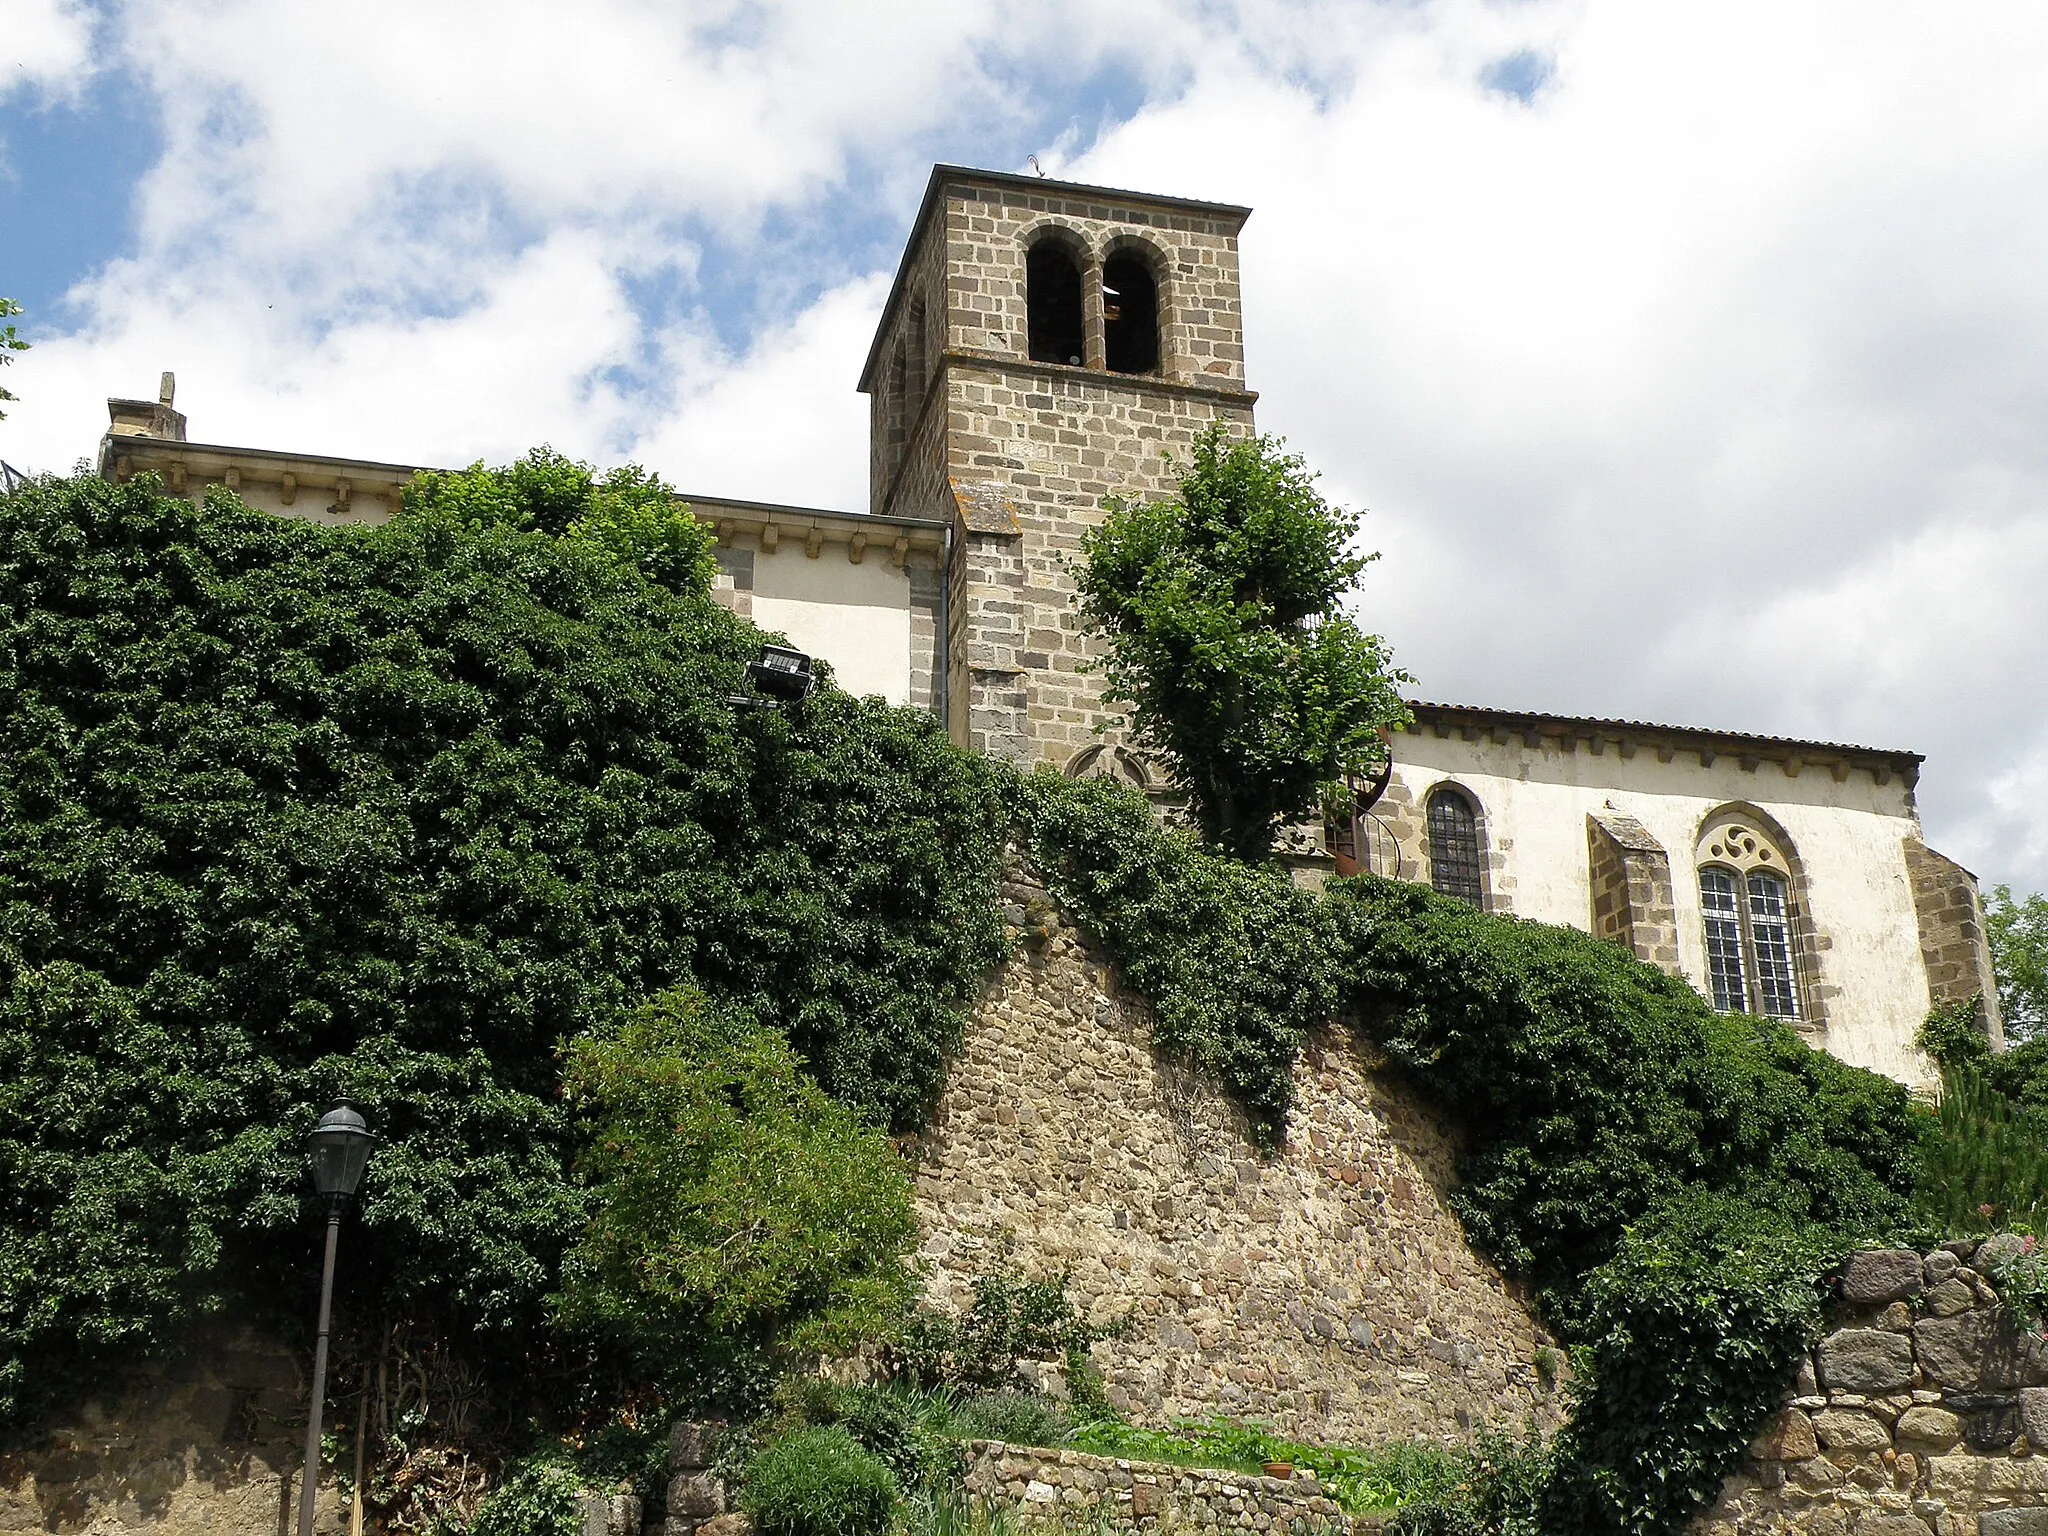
[783, 675]
[340, 1145]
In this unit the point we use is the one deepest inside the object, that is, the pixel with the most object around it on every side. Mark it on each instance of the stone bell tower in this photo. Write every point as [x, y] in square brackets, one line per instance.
[1045, 345]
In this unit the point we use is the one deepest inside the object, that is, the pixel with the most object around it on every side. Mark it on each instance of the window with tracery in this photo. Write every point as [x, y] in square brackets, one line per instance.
[1454, 850]
[1746, 906]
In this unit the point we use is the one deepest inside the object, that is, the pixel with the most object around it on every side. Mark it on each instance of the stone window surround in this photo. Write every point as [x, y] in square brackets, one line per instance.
[1480, 831]
[1802, 931]
[1091, 256]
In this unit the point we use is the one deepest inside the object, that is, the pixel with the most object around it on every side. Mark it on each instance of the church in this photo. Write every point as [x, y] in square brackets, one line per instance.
[1047, 344]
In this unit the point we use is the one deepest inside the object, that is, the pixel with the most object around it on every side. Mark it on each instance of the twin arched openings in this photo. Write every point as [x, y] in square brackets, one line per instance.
[1059, 316]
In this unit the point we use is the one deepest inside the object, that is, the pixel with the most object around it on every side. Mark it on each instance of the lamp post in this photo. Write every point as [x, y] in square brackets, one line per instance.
[340, 1145]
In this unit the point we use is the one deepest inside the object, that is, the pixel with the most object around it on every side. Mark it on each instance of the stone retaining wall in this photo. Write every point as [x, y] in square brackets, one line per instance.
[1325, 1286]
[1924, 1412]
[1145, 1496]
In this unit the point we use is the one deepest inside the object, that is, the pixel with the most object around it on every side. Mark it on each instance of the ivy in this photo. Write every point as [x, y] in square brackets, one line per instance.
[290, 811]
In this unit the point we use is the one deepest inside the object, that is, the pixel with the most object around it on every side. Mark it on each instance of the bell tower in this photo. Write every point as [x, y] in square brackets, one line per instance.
[1045, 345]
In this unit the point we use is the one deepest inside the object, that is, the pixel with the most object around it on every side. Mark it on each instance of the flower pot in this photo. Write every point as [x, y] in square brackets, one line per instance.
[1279, 1469]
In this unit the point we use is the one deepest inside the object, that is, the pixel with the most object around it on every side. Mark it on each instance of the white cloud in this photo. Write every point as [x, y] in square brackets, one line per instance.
[1705, 385]
[45, 48]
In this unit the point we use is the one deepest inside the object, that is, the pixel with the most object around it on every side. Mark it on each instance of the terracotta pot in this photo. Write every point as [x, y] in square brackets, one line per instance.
[1279, 1469]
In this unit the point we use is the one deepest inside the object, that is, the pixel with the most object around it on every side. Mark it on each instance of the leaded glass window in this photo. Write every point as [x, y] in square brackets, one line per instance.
[1770, 938]
[1746, 908]
[1454, 846]
[1724, 940]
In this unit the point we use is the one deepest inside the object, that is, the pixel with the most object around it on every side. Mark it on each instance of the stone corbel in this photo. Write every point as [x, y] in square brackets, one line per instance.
[232, 478]
[343, 494]
[814, 544]
[771, 537]
[857, 550]
[288, 489]
[899, 551]
[177, 477]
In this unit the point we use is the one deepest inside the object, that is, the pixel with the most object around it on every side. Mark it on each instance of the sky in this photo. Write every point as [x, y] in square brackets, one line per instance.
[1689, 360]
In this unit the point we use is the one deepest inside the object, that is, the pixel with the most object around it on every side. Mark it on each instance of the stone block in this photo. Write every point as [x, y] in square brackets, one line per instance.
[1869, 1360]
[1961, 1478]
[1888, 1522]
[1788, 1438]
[1951, 1349]
[1930, 1428]
[1949, 1297]
[1851, 1429]
[696, 1495]
[694, 1444]
[1880, 1275]
[1996, 1251]
[1938, 1266]
[2013, 1522]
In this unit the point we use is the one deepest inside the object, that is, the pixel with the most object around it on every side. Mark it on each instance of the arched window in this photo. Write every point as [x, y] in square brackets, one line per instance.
[1052, 304]
[1454, 852]
[1130, 316]
[1746, 907]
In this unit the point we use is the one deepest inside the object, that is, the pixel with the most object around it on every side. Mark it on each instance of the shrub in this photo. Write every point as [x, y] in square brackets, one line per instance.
[1010, 1320]
[819, 1481]
[734, 1208]
[540, 1496]
[1021, 1418]
[298, 811]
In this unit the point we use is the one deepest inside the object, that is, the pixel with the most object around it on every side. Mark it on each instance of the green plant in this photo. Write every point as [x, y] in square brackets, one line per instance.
[916, 1430]
[2016, 929]
[818, 1481]
[733, 1207]
[1235, 960]
[1222, 610]
[2021, 1276]
[297, 812]
[539, 1496]
[1010, 1320]
[1021, 1418]
[9, 344]
[1983, 1156]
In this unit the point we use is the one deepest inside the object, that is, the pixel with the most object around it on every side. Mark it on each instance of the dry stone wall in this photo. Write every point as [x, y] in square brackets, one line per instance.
[1045, 1486]
[1922, 1412]
[1326, 1287]
[208, 1445]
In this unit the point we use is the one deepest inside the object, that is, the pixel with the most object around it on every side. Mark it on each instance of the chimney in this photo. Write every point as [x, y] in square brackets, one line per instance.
[149, 418]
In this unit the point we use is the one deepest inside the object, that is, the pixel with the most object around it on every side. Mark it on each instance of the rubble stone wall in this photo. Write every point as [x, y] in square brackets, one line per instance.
[1120, 1495]
[1325, 1286]
[1922, 1412]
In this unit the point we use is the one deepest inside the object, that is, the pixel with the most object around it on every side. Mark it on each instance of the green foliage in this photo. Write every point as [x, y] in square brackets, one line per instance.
[293, 812]
[1236, 962]
[1984, 1161]
[10, 343]
[539, 1496]
[1597, 1088]
[1950, 1034]
[818, 1481]
[1221, 606]
[1686, 1338]
[1010, 1320]
[1495, 1489]
[915, 1430]
[734, 1208]
[1018, 1418]
[2017, 931]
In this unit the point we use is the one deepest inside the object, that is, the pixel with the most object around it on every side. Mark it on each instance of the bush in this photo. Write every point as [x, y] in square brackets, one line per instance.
[735, 1209]
[819, 1482]
[297, 812]
[540, 1496]
[1021, 1418]
[1010, 1320]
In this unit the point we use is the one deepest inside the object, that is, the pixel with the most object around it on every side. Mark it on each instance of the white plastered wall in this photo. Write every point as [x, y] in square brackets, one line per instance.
[855, 616]
[1848, 836]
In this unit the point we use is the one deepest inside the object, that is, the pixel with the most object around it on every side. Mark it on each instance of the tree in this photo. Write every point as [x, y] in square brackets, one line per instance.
[1221, 605]
[9, 343]
[736, 1211]
[2017, 929]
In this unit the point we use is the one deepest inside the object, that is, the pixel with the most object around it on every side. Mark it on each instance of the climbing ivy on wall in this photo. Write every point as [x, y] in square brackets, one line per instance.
[289, 811]
[1672, 1181]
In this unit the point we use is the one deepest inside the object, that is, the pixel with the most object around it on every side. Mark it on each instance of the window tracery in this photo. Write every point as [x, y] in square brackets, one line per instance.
[1747, 910]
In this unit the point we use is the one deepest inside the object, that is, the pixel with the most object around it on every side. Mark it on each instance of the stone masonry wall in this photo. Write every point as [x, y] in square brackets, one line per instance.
[1144, 1496]
[208, 1444]
[1952, 937]
[1923, 1412]
[1325, 1287]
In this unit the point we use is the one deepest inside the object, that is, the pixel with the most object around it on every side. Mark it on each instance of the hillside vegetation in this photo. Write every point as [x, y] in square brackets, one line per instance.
[453, 817]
